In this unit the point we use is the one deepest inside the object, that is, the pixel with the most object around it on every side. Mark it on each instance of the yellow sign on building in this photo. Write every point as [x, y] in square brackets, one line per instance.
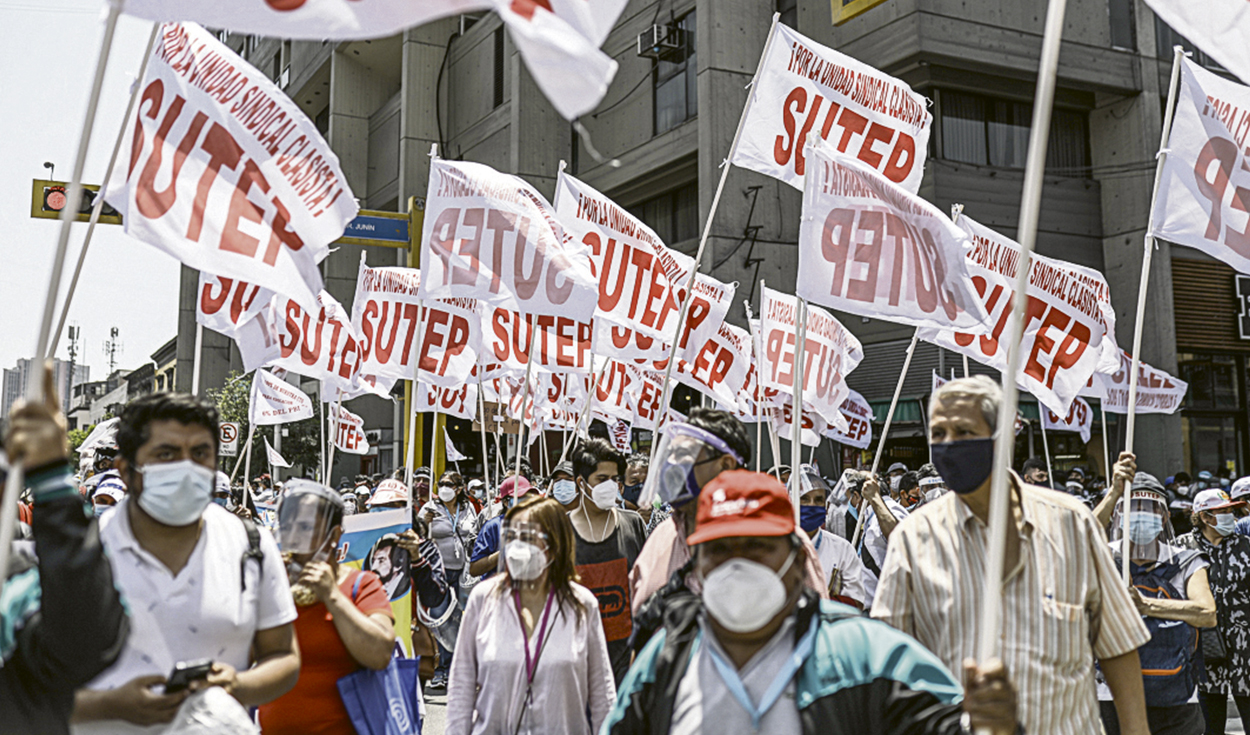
[844, 10]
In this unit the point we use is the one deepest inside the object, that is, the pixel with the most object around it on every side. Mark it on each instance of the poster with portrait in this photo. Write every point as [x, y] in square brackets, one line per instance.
[370, 543]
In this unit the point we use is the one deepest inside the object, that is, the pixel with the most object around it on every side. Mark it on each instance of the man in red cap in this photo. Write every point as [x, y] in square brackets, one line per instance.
[759, 652]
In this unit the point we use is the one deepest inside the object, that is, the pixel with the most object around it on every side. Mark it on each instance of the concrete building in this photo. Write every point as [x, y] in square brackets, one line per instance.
[15, 380]
[459, 83]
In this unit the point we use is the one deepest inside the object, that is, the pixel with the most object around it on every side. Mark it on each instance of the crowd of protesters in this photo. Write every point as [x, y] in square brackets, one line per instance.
[672, 593]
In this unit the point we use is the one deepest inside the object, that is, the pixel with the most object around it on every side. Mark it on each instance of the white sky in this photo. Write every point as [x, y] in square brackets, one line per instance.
[48, 51]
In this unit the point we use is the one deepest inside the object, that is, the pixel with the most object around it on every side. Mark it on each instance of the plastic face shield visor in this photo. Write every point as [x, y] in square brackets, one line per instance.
[682, 448]
[1148, 511]
[810, 481]
[304, 523]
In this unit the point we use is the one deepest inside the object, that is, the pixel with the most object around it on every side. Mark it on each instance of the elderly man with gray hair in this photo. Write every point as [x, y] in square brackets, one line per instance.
[1063, 602]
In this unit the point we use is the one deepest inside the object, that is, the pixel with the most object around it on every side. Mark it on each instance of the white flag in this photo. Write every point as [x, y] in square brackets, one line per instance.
[869, 247]
[858, 414]
[1067, 319]
[493, 237]
[275, 459]
[1204, 190]
[805, 89]
[453, 454]
[275, 401]
[1157, 392]
[348, 431]
[558, 39]
[240, 311]
[226, 173]
[1221, 28]
[1080, 418]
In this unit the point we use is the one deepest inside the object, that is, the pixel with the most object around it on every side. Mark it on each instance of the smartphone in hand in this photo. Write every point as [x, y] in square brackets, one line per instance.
[186, 672]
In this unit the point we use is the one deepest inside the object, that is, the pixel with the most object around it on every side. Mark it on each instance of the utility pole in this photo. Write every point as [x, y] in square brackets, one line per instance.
[68, 395]
[113, 347]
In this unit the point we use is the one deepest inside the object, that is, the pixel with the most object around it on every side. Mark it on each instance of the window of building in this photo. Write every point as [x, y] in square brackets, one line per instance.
[1213, 412]
[1166, 38]
[789, 10]
[995, 132]
[1123, 24]
[674, 215]
[675, 93]
[499, 66]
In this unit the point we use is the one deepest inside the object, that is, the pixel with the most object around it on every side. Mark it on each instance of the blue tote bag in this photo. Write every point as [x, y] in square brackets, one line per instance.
[383, 702]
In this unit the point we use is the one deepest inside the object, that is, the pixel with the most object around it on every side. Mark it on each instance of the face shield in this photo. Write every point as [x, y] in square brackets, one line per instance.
[306, 520]
[681, 450]
[1150, 527]
[932, 488]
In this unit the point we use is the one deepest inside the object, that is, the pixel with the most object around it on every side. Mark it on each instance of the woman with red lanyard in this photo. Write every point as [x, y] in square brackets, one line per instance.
[531, 656]
[345, 621]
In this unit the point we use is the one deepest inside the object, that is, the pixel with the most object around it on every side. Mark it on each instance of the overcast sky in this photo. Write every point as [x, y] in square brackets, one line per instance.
[48, 51]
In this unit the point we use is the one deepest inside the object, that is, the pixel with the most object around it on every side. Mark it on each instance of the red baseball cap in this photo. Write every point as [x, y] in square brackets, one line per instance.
[514, 485]
[742, 503]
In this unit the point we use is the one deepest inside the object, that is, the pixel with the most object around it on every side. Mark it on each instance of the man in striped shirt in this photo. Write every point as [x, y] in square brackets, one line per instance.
[1063, 602]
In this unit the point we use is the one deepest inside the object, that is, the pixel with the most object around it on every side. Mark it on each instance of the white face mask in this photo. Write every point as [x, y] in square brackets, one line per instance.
[525, 561]
[176, 493]
[604, 494]
[743, 595]
[446, 493]
[894, 482]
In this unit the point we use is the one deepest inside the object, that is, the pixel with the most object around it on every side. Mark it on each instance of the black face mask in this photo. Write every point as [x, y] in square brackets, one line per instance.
[964, 464]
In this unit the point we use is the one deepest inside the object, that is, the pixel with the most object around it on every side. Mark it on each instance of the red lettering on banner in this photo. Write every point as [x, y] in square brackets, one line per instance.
[790, 143]
[1070, 349]
[866, 230]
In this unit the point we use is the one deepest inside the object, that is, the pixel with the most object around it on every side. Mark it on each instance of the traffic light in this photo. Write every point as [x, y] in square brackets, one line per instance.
[48, 198]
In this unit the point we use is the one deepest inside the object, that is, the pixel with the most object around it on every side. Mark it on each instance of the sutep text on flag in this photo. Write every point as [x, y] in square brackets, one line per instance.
[491, 236]
[347, 430]
[240, 311]
[226, 173]
[1080, 418]
[1067, 319]
[1157, 392]
[806, 89]
[868, 247]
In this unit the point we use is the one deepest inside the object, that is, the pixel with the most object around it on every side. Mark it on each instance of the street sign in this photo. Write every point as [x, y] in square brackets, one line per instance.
[47, 199]
[229, 444]
[380, 229]
[844, 10]
[497, 419]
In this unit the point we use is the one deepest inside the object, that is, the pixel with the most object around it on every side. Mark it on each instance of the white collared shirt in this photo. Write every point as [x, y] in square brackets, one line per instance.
[203, 612]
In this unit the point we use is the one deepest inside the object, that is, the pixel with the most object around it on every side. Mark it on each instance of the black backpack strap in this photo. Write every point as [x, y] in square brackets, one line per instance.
[253, 551]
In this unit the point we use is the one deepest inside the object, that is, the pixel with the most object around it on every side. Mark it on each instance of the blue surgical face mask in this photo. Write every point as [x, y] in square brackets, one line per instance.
[564, 491]
[964, 464]
[811, 517]
[99, 509]
[221, 501]
[1225, 523]
[1144, 528]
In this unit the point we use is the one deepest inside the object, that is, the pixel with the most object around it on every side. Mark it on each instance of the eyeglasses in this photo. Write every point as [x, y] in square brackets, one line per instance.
[526, 533]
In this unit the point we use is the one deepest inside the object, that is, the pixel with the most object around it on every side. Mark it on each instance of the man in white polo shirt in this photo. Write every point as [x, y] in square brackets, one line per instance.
[199, 583]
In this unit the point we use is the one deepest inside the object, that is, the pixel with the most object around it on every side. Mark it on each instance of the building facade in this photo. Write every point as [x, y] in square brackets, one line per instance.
[458, 83]
[65, 375]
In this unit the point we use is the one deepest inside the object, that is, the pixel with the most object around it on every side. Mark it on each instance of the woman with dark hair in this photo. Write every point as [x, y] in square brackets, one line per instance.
[531, 656]
[453, 527]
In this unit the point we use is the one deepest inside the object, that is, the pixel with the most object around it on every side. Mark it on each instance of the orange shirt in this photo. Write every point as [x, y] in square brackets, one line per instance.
[314, 705]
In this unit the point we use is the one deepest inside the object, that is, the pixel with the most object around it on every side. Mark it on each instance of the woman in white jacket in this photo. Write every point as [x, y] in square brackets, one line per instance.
[531, 656]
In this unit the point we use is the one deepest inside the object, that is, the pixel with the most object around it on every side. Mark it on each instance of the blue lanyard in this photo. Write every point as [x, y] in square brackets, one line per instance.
[819, 536]
[739, 691]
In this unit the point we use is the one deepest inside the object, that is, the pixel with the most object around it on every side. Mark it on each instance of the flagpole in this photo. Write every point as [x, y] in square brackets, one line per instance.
[247, 461]
[98, 205]
[885, 430]
[990, 622]
[34, 388]
[411, 461]
[251, 432]
[1050, 474]
[525, 392]
[796, 393]
[590, 400]
[195, 364]
[1106, 452]
[1142, 288]
[338, 420]
[759, 393]
[481, 412]
[675, 347]
[321, 430]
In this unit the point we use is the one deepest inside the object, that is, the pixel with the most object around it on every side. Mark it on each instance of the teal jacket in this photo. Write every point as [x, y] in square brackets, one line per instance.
[862, 676]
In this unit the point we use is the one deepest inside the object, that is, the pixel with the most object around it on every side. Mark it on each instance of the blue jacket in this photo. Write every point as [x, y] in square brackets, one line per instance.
[862, 676]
